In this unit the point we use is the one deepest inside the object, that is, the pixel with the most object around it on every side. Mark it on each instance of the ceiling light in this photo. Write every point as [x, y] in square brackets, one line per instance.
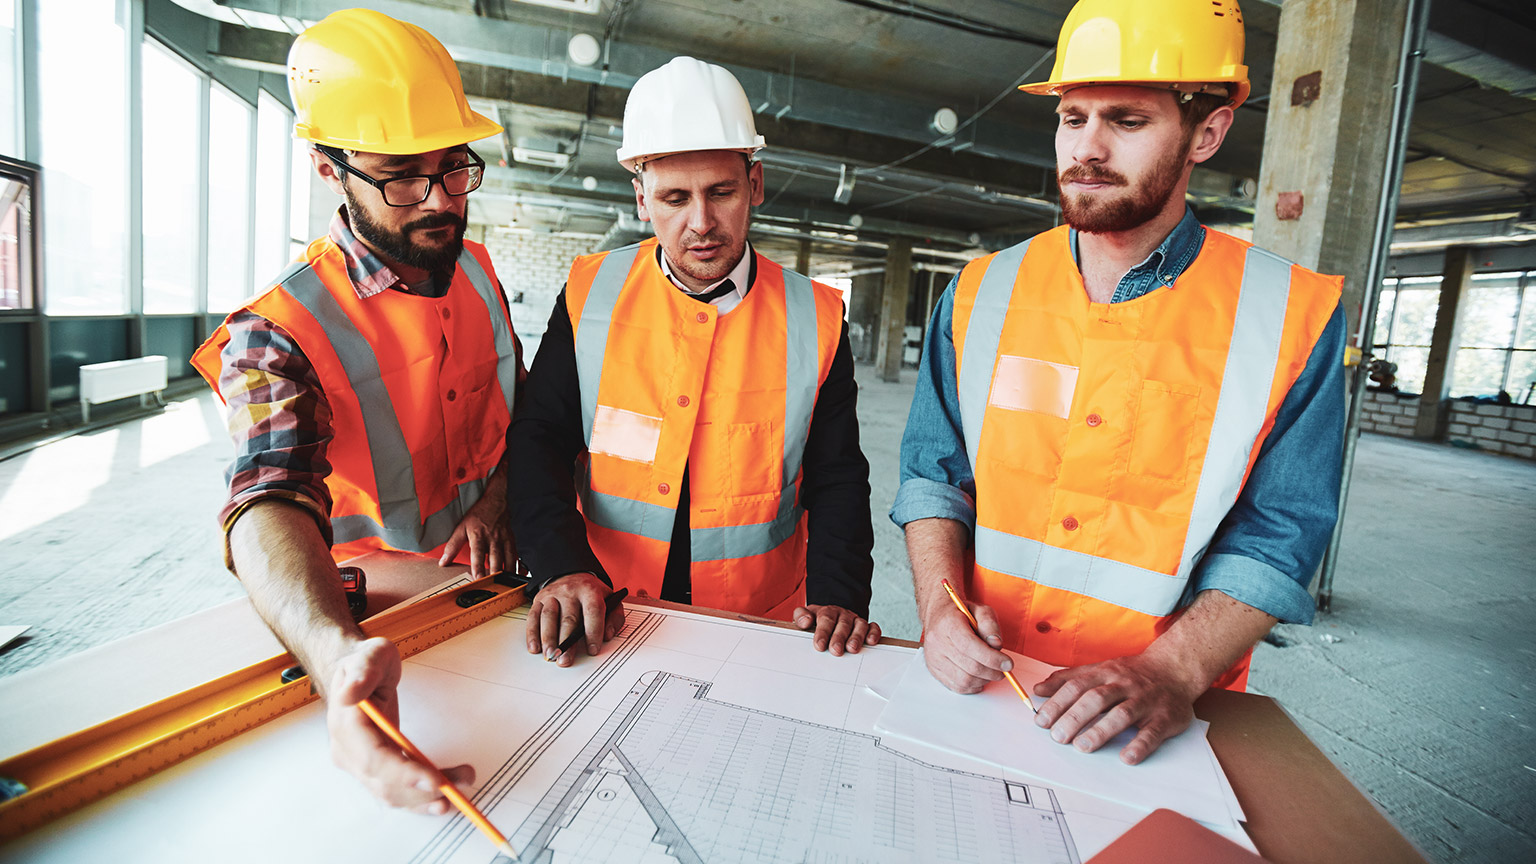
[589, 183]
[856, 220]
[583, 49]
[945, 121]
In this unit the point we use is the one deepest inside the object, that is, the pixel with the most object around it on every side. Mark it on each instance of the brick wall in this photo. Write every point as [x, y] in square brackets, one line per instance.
[1509, 429]
[534, 265]
[1388, 414]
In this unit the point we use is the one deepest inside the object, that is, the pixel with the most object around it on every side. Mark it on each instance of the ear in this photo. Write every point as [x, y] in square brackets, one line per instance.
[640, 209]
[1211, 132]
[755, 183]
[327, 171]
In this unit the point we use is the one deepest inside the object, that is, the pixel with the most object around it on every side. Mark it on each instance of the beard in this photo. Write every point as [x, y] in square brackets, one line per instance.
[397, 245]
[1132, 209]
[706, 271]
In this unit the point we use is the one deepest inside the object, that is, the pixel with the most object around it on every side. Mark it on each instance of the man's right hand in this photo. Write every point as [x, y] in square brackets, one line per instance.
[961, 660]
[371, 670]
[572, 603]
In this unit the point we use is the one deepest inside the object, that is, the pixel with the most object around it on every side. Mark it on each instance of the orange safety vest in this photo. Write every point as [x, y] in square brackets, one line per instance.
[667, 383]
[420, 393]
[1109, 441]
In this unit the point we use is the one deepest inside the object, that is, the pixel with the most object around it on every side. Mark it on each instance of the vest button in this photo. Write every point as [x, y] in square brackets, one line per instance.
[682, 401]
[460, 473]
[663, 488]
[1094, 419]
[1069, 523]
[447, 313]
[1043, 626]
[702, 317]
[452, 395]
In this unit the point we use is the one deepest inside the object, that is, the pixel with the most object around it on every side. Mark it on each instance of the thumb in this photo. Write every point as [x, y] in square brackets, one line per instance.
[986, 625]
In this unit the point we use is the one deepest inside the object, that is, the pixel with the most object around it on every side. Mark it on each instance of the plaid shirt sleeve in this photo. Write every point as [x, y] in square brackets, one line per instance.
[279, 421]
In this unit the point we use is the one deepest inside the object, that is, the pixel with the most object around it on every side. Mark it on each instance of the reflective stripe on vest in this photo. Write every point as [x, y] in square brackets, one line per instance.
[1241, 409]
[393, 474]
[655, 521]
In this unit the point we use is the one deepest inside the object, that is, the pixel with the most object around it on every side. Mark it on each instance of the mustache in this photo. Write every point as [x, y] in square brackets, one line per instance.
[435, 220]
[712, 238]
[1092, 173]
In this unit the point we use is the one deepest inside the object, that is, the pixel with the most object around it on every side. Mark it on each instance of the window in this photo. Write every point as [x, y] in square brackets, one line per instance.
[274, 126]
[83, 131]
[300, 177]
[1497, 342]
[10, 79]
[229, 200]
[16, 289]
[1410, 323]
[172, 110]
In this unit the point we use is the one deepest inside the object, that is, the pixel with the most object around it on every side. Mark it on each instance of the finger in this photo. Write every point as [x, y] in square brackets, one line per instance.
[495, 553]
[987, 626]
[531, 629]
[462, 776]
[873, 636]
[1063, 698]
[477, 544]
[825, 623]
[1101, 731]
[1075, 719]
[857, 634]
[595, 617]
[615, 622]
[803, 617]
[839, 639]
[953, 676]
[1052, 682]
[1147, 740]
[549, 627]
[452, 547]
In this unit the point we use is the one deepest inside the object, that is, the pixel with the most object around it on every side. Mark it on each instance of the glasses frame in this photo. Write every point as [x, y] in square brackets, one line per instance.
[345, 167]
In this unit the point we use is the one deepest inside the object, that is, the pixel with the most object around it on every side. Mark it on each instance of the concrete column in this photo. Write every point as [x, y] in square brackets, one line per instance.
[1441, 368]
[893, 307]
[864, 315]
[1325, 142]
[803, 257]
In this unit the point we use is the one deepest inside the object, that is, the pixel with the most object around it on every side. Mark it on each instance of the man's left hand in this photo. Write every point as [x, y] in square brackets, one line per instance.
[837, 629]
[1089, 705]
[485, 530]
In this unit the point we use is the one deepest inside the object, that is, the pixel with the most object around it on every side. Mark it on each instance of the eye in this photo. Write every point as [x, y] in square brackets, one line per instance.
[1132, 124]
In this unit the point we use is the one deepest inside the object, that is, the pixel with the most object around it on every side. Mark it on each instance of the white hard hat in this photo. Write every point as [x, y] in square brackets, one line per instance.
[684, 106]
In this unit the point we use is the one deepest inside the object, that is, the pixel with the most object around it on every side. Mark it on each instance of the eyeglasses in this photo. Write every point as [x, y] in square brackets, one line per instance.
[410, 191]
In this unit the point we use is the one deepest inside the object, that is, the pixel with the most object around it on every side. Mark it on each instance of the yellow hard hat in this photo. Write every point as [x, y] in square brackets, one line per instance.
[361, 80]
[1192, 46]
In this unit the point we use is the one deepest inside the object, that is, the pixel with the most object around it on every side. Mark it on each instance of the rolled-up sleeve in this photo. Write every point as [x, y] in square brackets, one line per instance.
[1267, 548]
[936, 476]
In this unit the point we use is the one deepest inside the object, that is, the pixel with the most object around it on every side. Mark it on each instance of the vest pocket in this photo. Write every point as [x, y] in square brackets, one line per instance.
[1161, 438]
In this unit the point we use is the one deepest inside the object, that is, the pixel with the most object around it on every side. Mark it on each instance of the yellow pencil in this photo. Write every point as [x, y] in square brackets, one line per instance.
[451, 792]
[977, 627]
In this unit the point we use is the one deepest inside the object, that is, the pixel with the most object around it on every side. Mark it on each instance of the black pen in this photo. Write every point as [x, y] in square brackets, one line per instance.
[612, 603]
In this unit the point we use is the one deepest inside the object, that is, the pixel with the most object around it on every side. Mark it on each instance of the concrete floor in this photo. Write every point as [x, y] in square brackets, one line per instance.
[1418, 684]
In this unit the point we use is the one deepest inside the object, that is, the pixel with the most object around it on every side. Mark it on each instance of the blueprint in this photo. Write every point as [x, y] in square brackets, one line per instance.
[689, 738]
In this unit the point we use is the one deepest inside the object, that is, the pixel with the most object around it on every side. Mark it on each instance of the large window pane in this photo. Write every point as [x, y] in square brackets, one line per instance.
[16, 290]
[1522, 373]
[81, 124]
[229, 207]
[298, 197]
[172, 97]
[1488, 316]
[1525, 333]
[1411, 365]
[10, 80]
[1478, 372]
[1384, 306]
[1413, 322]
[273, 125]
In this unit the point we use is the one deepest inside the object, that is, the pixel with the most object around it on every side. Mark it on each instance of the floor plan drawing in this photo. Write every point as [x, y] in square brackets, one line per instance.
[675, 775]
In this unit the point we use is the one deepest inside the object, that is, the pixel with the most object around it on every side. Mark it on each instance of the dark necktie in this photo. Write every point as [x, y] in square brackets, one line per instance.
[717, 292]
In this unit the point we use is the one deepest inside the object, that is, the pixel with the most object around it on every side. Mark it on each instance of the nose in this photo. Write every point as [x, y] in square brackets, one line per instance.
[1088, 143]
[438, 200]
[701, 216]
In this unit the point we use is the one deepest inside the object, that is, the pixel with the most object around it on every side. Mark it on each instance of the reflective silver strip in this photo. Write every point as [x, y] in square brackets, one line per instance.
[655, 521]
[1243, 405]
[983, 333]
[501, 327]
[393, 474]
[592, 335]
[1241, 408]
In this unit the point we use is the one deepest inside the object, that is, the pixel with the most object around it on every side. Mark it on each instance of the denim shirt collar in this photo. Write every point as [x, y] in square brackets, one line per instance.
[1164, 265]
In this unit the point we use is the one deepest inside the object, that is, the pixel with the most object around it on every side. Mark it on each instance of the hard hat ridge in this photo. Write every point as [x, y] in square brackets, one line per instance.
[683, 106]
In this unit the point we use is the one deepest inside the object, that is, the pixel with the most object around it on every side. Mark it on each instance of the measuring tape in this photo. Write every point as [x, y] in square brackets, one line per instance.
[64, 775]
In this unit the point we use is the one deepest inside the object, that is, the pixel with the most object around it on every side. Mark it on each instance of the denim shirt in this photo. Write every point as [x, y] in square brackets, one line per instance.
[1266, 549]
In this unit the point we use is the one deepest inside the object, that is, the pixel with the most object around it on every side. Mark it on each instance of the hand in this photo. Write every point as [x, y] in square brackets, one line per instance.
[567, 605]
[372, 671]
[485, 529]
[959, 658]
[1129, 691]
[837, 629]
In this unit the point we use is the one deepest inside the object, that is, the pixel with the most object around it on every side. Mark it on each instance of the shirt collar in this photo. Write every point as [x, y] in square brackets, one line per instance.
[368, 272]
[1171, 257]
[740, 275]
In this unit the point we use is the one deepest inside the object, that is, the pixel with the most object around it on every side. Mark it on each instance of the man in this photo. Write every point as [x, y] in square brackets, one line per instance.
[1125, 441]
[370, 389]
[704, 396]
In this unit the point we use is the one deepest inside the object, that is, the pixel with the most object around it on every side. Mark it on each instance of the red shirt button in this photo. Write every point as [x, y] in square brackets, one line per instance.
[663, 488]
[702, 317]
[1094, 419]
[452, 395]
[682, 401]
[1043, 626]
[447, 313]
[460, 473]
[1069, 523]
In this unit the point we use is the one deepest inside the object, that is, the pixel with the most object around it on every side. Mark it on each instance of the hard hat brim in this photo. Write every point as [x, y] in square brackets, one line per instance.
[480, 127]
[632, 160]
[1239, 95]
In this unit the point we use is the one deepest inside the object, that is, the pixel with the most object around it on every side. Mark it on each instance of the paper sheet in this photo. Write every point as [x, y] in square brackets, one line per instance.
[9, 632]
[994, 726]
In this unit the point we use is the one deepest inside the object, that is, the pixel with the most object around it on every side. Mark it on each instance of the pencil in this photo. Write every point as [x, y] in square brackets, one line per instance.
[451, 792]
[612, 603]
[977, 627]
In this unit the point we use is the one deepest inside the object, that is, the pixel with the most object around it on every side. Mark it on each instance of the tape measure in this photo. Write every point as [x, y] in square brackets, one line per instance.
[64, 775]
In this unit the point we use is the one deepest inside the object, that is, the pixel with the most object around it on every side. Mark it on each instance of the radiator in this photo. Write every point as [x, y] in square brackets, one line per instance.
[119, 379]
